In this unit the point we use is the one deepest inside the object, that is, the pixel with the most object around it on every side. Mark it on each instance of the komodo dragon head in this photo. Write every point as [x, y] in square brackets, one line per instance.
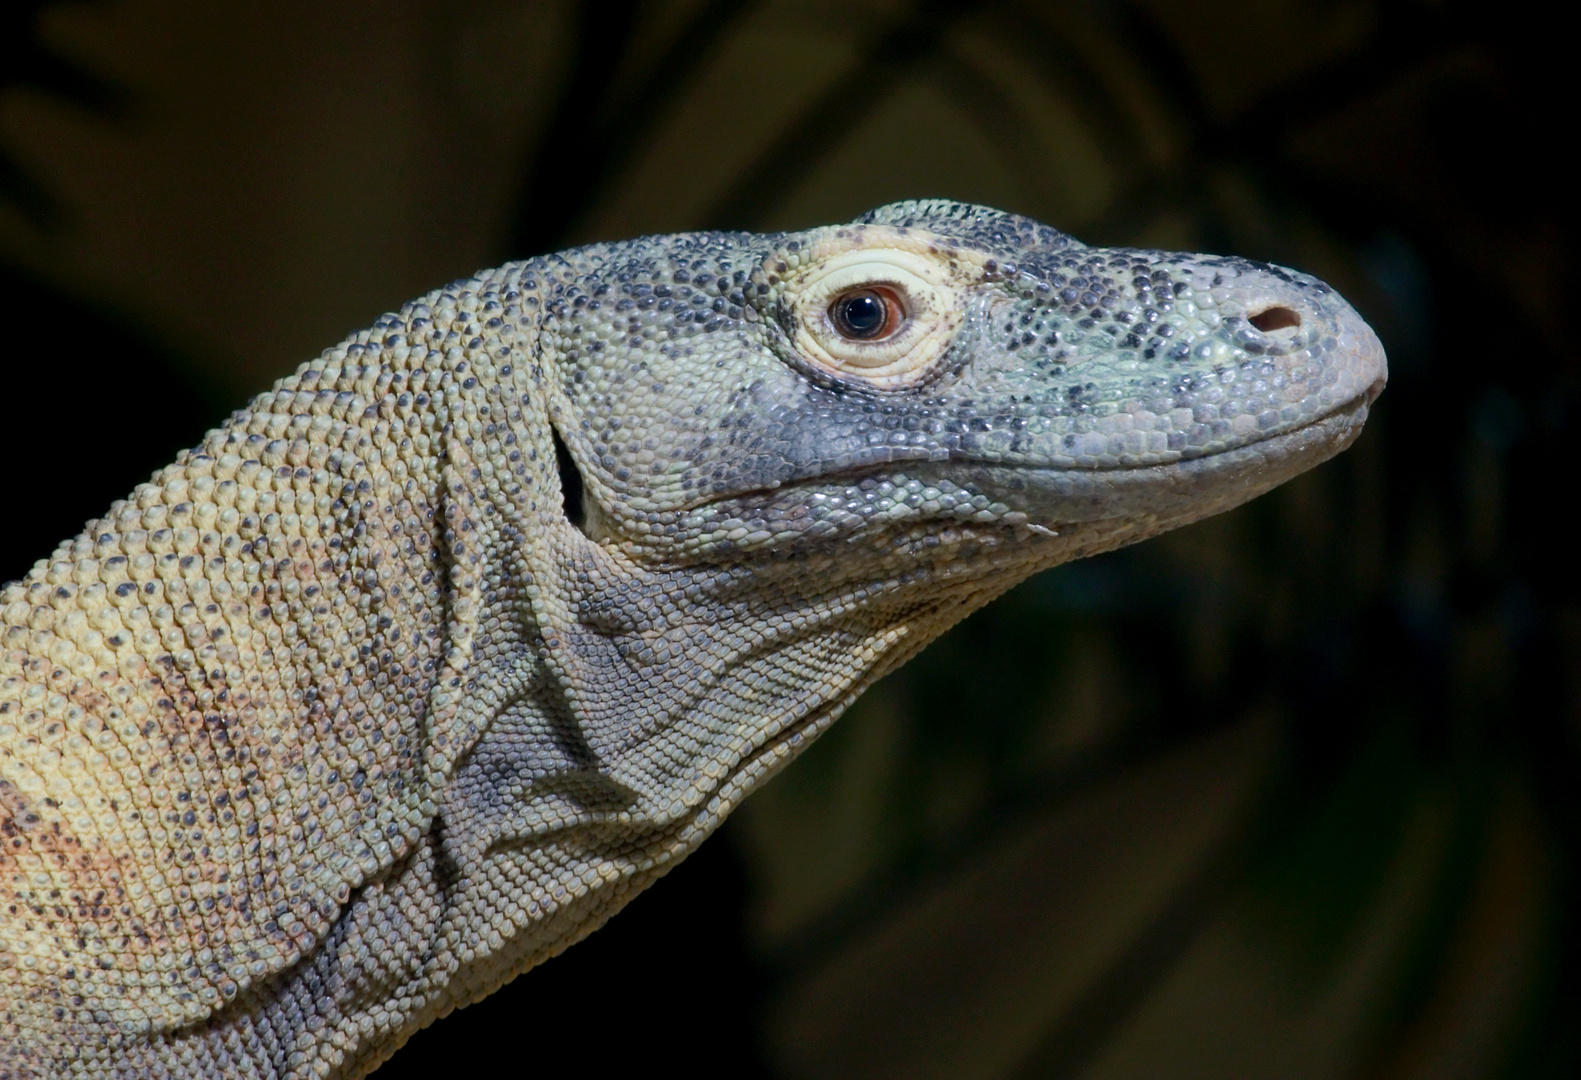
[436, 654]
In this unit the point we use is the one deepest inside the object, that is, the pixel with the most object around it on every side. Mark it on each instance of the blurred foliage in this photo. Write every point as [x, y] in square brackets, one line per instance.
[25, 63]
[1288, 793]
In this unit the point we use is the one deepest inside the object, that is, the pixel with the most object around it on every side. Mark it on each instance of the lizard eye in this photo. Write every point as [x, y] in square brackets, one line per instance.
[870, 307]
[867, 314]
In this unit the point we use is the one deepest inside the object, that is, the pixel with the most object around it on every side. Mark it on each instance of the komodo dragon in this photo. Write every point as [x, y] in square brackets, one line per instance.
[440, 651]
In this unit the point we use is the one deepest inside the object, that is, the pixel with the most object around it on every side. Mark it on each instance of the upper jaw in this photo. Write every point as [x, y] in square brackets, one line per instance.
[1209, 380]
[1227, 408]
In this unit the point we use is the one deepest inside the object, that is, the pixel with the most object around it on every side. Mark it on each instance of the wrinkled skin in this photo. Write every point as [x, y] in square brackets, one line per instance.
[353, 713]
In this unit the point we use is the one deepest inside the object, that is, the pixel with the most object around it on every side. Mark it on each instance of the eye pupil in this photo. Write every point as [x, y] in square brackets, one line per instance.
[860, 315]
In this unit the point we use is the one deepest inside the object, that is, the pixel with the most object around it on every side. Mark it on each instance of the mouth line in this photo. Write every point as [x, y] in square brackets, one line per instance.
[1349, 409]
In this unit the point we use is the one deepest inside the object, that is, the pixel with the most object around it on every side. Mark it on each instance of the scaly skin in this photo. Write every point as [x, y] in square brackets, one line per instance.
[342, 721]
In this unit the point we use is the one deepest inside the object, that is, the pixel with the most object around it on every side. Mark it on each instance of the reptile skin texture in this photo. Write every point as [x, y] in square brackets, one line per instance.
[441, 650]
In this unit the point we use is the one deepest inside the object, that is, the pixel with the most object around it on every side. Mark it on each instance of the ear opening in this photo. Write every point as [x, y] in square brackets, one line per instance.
[573, 496]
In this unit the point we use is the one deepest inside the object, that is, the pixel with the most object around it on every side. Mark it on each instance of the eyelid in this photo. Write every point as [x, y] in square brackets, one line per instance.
[929, 279]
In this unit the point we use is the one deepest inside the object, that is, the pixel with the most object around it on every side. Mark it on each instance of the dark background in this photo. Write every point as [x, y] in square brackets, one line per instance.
[1293, 792]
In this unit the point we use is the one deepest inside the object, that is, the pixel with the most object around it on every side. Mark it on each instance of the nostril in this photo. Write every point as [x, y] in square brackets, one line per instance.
[1275, 318]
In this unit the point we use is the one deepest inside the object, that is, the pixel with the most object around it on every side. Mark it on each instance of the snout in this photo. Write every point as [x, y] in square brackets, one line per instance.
[1325, 352]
